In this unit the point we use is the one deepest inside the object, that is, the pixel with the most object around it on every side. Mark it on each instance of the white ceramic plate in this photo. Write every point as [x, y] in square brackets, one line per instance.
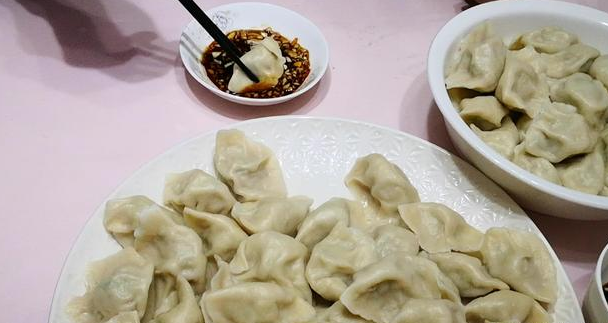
[253, 15]
[316, 154]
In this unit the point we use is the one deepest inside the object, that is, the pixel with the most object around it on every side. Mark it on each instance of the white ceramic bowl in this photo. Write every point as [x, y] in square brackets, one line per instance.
[595, 307]
[511, 18]
[254, 15]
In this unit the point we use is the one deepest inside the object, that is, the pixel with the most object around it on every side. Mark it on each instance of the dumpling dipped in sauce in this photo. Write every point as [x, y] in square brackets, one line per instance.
[265, 61]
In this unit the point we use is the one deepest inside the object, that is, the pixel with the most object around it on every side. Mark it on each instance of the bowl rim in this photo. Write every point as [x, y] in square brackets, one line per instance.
[598, 275]
[437, 54]
[258, 101]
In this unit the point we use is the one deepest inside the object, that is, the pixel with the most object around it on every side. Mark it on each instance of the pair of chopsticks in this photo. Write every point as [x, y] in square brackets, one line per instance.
[219, 36]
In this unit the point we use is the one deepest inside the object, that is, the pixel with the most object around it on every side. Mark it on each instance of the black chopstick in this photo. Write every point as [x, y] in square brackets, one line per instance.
[218, 35]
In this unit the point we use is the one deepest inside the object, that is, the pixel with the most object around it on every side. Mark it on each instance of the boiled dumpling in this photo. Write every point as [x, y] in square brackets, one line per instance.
[529, 55]
[125, 317]
[162, 296]
[506, 306]
[439, 228]
[522, 124]
[483, 111]
[589, 96]
[585, 173]
[248, 167]
[467, 273]
[337, 313]
[521, 260]
[336, 258]
[538, 166]
[265, 60]
[185, 309]
[430, 311]
[272, 257]
[121, 216]
[319, 223]
[458, 94]
[116, 284]
[380, 290]
[199, 191]
[282, 215]
[255, 302]
[390, 238]
[558, 132]
[172, 248]
[548, 39]
[220, 234]
[574, 58]
[521, 88]
[478, 61]
[599, 69]
[503, 140]
[382, 186]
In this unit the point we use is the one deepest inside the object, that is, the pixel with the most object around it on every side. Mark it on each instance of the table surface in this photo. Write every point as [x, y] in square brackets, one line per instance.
[91, 90]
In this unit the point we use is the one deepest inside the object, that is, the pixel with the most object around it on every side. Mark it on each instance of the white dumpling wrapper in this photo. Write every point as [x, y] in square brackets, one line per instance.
[430, 311]
[282, 215]
[337, 313]
[521, 260]
[506, 306]
[478, 60]
[538, 166]
[219, 234]
[559, 132]
[439, 228]
[599, 69]
[272, 257]
[574, 58]
[255, 302]
[486, 112]
[114, 285]
[380, 290]
[381, 186]
[585, 173]
[319, 223]
[199, 191]
[335, 259]
[589, 96]
[503, 140]
[265, 61]
[548, 40]
[185, 309]
[390, 238]
[249, 168]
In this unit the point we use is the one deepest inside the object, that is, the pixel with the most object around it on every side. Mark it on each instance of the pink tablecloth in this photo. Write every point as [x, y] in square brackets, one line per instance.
[90, 90]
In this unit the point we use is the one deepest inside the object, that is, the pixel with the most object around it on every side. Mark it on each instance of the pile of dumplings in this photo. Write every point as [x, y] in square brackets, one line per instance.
[541, 103]
[238, 249]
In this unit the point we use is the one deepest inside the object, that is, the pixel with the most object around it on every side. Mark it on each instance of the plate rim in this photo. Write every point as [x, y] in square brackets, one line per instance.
[54, 306]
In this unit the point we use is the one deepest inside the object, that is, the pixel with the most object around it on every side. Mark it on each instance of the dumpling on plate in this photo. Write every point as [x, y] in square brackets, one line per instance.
[335, 259]
[121, 216]
[116, 284]
[599, 69]
[589, 96]
[585, 173]
[548, 40]
[255, 302]
[467, 273]
[439, 228]
[521, 260]
[559, 132]
[381, 290]
[503, 140]
[486, 112]
[538, 166]
[390, 238]
[337, 313]
[521, 88]
[430, 311]
[319, 223]
[172, 248]
[574, 58]
[272, 257]
[249, 168]
[199, 191]
[381, 186]
[506, 306]
[220, 234]
[478, 61]
[183, 308]
[282, 214]
[265, 60]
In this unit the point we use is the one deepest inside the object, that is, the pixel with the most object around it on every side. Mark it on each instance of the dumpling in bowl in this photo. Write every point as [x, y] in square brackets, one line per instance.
[584, 173]
[265, 61]
[575, 58]
[478, 61]
[599, 69]
[548, 40]
[506, 306]
[586, 94]
[503, 140]
[538, 166]
[486, 112]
